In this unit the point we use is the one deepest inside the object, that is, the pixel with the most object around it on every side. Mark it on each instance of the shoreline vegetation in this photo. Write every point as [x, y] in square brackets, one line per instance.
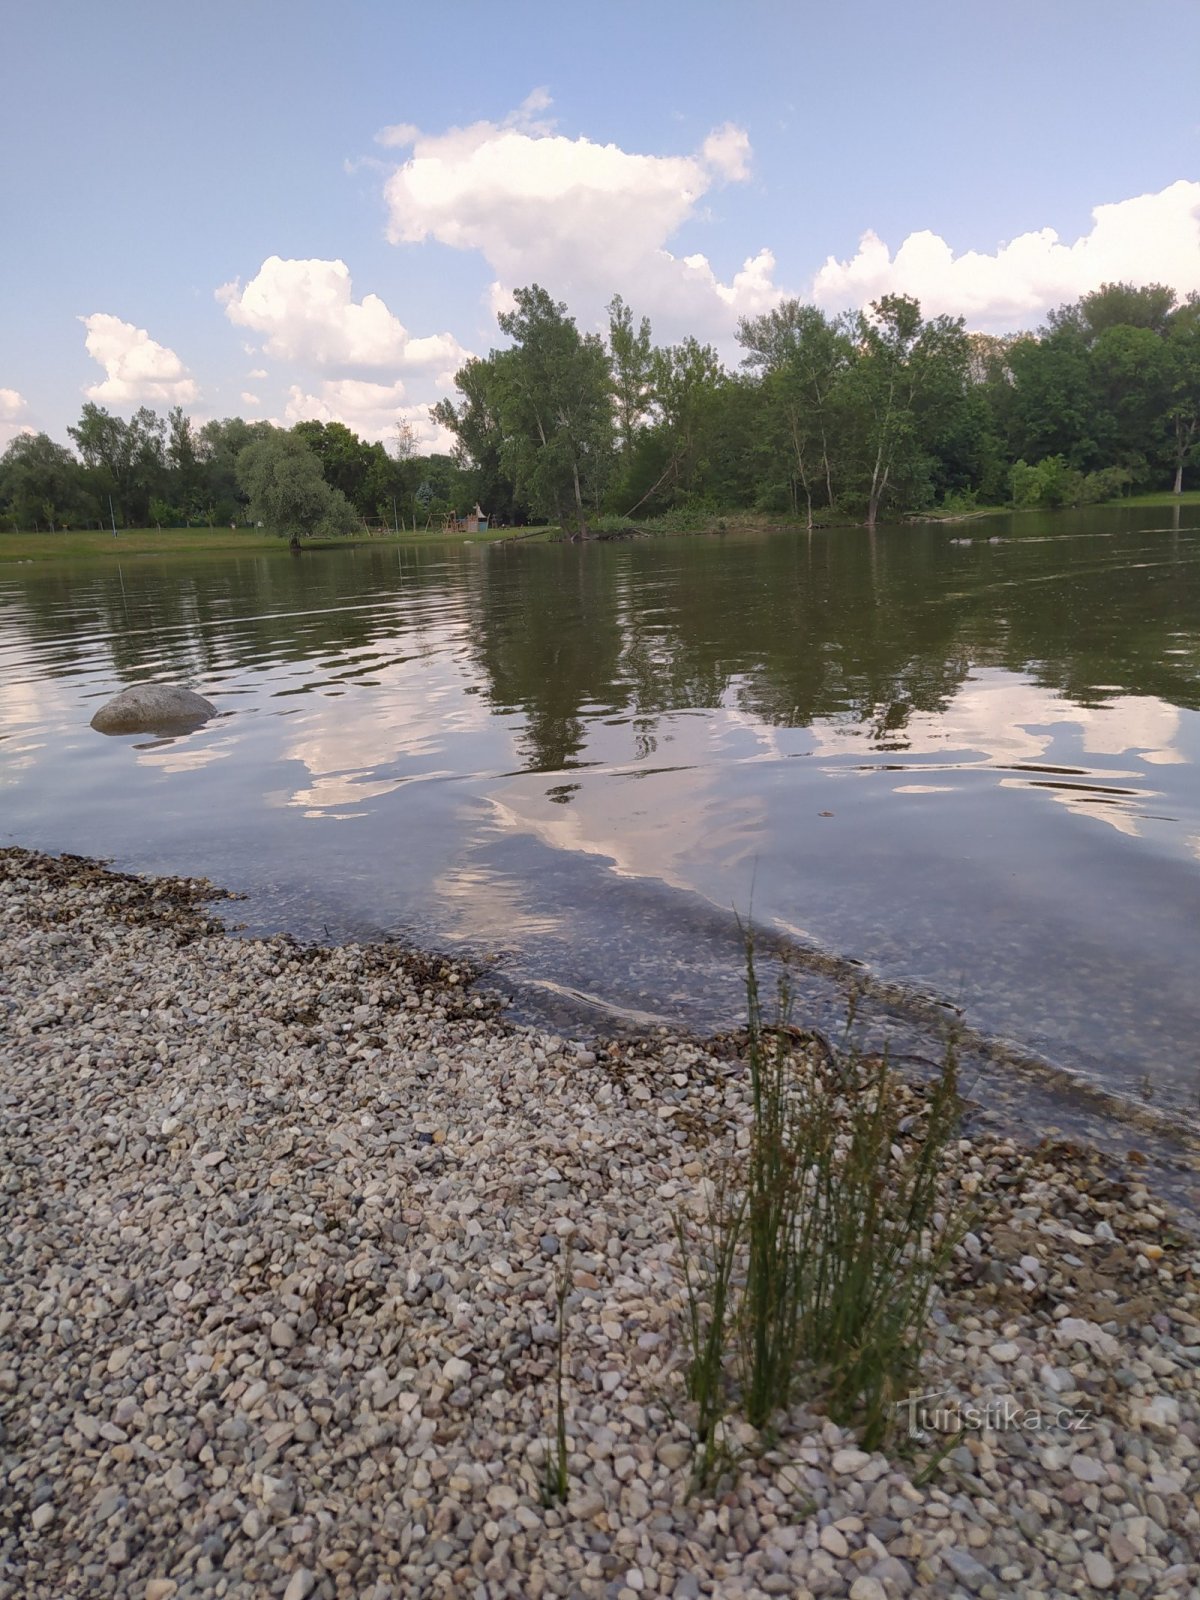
[89, 545]
[323, 1278]
[870, 417]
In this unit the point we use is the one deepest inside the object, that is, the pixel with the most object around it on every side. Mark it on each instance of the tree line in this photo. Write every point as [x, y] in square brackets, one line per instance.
[150, 470]
[850, 418]
[834, 418]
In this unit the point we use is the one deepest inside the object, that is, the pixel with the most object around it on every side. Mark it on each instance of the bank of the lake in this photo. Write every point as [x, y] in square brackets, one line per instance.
[280, 1228]
[90, 545]
[1163, 498]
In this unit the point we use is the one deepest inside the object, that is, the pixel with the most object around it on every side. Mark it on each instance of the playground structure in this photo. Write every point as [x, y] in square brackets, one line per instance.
[474, 522]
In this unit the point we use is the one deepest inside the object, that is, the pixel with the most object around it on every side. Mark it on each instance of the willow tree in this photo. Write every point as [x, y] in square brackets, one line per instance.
[287, 489]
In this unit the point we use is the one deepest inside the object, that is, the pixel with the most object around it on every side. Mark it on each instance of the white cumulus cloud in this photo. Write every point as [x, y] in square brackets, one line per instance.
[137, 369]
[1151, 238]
[397, 135]
[372, 410]
[727, 152]
[308, 313]
[584, 219]
[14, 412]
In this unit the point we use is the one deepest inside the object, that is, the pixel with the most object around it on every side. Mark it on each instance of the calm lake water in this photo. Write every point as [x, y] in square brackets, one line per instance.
[967, 757]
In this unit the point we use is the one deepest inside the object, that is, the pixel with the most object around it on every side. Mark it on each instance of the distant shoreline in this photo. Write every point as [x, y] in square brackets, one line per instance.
[92, 544]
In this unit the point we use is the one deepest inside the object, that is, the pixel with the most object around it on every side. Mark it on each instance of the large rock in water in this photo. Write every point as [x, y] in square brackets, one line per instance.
[153, 708]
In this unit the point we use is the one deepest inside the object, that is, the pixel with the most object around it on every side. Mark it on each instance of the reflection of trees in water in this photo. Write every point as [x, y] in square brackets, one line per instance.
[790, 630]
[546, 631]
[209, 618]
[1112, 628]
[830, 626]
[796, 629]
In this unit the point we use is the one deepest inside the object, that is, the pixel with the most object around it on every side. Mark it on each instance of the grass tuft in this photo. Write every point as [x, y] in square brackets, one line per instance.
[821, 1255]
[709, 1295]
[556, 1479]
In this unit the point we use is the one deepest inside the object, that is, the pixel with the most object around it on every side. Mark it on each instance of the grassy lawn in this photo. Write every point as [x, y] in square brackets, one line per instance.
[82, 545]
[92, 545]
[1163, 497]
[1189, 497]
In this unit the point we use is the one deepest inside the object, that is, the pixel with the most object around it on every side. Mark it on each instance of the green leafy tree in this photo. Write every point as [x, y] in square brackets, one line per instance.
[288, 492]
[128, 459]
[735, 463]
[685, 383]
[552, 392]
[441, 488]
[162, 511]
[394, 486]
[908, 379]
[383, 492]
[346, 460]
[184, 466]
[1120, 305]
[1131, 394]
[477, 426]
[801, 357]
[632, 357]
[992, 395]
[42, 482]
[1097, 387]
[219, 446]
[1183, 404]
[1054, 409]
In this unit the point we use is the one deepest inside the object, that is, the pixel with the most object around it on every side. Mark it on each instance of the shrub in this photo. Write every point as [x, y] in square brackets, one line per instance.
[608, 523]
[1107, 484]
[1051, 483]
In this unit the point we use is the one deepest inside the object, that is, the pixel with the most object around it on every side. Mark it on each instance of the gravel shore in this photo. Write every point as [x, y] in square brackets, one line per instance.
[279, 1235]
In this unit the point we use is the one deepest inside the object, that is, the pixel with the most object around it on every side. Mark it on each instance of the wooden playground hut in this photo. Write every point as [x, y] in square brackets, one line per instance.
[474, 522]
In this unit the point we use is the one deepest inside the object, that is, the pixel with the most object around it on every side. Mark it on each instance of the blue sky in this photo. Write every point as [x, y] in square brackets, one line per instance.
[190, 177]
